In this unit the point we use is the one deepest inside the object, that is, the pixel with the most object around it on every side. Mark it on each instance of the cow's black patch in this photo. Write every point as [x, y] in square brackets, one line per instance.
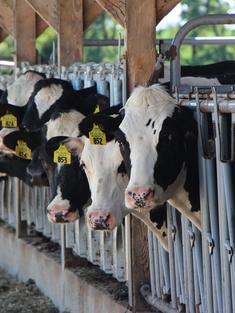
[148, 123]
[107, 123]
[74, 186]
[158, 215]
[178, 145]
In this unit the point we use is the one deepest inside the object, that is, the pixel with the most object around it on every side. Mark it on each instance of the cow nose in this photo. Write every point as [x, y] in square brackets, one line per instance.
[100, 220]
[57, 214]
[139, 197]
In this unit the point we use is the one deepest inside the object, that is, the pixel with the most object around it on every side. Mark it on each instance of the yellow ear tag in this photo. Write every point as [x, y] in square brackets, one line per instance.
[62, 155]
[9, 121]
[97, 136]
[23, 151]
[97, 109]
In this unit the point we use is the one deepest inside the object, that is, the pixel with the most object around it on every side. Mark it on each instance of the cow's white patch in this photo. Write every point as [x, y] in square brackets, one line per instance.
[152, 104]
[106, 184]
[65, 125]
[46, 97]
[20, 90]
[58, 201]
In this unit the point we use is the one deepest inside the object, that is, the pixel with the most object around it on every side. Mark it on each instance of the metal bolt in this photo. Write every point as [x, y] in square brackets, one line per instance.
[173, 232]
[191, 237]
[229, 250]
[211, 243]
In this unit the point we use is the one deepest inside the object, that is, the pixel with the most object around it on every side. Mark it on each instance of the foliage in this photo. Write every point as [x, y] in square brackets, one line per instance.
[203, 54]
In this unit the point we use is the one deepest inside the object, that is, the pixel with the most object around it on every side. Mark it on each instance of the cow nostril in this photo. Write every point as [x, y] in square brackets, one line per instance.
[129, 193]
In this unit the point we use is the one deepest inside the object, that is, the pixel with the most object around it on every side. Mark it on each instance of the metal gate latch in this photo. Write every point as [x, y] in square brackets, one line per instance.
[191, 237]
[211, 244]
[229, 250]
[173, 232]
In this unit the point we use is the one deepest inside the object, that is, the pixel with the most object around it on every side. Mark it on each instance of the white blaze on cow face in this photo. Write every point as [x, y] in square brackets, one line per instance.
[46, 97]
[66, 124]
[106, 184]
[58, 210]
[145, 112]
[20, 90]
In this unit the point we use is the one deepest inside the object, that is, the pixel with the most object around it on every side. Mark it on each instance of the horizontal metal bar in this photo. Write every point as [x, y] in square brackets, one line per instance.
[168, 41]
[208, 106]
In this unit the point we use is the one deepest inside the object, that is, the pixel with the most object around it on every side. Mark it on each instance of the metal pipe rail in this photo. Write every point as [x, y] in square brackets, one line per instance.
[212, 19]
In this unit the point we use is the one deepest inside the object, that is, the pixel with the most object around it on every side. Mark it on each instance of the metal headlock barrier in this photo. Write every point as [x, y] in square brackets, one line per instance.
[197, 273]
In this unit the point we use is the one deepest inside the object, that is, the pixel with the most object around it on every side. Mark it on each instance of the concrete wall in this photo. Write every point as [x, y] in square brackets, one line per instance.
[65, 288]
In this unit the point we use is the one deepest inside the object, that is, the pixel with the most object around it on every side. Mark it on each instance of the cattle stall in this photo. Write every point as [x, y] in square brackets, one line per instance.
[197, 273]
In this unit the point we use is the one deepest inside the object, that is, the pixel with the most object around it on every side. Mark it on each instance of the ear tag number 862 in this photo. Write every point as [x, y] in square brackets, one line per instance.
[97, 136]
[9, 121]
[23, 151]
[62, 155]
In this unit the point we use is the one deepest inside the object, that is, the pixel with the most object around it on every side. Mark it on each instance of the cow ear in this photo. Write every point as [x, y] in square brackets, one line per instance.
[32, 139]
[73, 144]
[108, 124]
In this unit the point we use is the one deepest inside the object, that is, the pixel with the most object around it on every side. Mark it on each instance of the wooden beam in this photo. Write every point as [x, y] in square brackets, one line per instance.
[91, 10]
[141, 57]
[163, 7]
[3, 34]
[48, 10]
[116, 8]
[70, 45]
[41, 25]
[25, 32]
[7, 16]
[140, 20]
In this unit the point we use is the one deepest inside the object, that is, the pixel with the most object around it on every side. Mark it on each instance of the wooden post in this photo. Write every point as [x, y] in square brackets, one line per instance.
[25, 32]
[141, 58]
[70, 47]
[140, 38]
[3, 34]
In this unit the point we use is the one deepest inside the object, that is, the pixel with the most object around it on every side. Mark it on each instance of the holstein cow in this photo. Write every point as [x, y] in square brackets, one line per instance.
[12, 107]
[107, 178]
[56, 95]
[15, 98]
[70, 180]
[159, 144]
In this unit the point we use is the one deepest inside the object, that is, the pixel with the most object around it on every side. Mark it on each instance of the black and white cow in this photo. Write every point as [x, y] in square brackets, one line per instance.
[15, 98]
[64, 117]
[159, 144]
[56, 95]
[107, 178]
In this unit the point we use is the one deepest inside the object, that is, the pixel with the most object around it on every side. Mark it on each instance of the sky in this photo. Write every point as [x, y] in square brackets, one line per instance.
[173, 18]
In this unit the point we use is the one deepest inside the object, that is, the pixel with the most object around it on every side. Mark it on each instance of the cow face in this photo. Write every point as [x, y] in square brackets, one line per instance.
[107, 180]
[14, 100]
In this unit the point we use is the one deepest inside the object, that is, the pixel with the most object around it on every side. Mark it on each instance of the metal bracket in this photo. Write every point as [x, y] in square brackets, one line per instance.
[173, 232]
[229, 250]
[211, 244]
[192, 237]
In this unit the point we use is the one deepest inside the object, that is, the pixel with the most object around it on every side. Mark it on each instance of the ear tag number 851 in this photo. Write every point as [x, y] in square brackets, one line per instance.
[62, 155]
[23, 151]
[97, 136]
[9, 121]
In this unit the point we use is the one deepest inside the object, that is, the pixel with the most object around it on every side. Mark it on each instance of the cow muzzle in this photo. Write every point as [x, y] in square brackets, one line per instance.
[139, 198]
[100, 220]
[58, 214]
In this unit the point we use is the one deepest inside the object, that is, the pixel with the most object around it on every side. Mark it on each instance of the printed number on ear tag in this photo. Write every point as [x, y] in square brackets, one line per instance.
[9, 121]
[23, 151]
[97, 136]
[62, 155]
[97, 109]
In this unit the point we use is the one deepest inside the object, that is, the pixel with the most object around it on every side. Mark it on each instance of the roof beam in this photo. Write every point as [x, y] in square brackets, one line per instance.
[41, 25]
[91, 10]
[70, 35]
[48, 10]
[25, 32]
[116, 8]
[7, 16]
[163, 7]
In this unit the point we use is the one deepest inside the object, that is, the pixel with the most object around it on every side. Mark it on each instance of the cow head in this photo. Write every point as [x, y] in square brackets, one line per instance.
[14, 100]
